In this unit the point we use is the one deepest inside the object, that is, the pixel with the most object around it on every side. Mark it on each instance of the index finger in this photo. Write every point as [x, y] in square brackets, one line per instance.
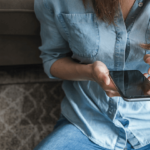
[111, 85]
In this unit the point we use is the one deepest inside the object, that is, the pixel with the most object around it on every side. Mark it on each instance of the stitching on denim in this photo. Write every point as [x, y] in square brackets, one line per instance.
[63, 25]
[46, 6]
[147, 38]
[147, 32]
[90, 137]
[98, 34]
[97, 31]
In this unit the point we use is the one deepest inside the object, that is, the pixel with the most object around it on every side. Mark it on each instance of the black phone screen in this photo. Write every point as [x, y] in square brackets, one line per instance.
[131, 84]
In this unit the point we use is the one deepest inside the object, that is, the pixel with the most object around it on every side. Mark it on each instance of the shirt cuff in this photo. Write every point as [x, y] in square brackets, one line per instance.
[47, 65]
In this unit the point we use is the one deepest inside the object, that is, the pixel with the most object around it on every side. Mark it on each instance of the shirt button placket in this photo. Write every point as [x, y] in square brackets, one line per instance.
[140, 4]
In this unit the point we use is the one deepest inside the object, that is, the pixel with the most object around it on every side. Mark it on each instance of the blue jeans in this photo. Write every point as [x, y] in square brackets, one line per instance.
[66, 136]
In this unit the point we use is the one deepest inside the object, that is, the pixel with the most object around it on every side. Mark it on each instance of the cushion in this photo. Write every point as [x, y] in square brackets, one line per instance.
[18, 18]
[19, 50]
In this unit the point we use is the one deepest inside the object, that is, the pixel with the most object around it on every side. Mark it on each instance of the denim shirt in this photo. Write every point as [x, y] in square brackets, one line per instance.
[68, 28]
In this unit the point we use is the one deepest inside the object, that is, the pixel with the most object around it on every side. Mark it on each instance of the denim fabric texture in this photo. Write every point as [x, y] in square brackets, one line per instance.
[66, 136]
[67, 27]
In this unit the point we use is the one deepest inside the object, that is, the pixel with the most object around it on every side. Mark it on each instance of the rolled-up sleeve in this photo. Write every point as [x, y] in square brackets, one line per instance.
[53, 44]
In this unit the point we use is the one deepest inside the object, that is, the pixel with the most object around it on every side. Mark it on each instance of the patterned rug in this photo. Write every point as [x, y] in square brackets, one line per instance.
[29, 106]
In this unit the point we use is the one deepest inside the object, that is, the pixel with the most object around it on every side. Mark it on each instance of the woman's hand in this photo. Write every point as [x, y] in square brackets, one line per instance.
[100, 74]
[145, 85]
[147, 60]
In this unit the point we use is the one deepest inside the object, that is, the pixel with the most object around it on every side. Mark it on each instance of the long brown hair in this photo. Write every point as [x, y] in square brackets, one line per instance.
[106, 10]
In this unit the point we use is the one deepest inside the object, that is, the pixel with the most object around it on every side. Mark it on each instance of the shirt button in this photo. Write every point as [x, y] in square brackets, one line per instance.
[140, 4]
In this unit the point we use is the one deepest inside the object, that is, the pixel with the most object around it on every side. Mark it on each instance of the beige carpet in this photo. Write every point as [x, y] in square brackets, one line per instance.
[29, 106]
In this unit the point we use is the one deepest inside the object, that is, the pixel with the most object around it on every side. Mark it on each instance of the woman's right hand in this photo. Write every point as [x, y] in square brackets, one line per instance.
[100, 74]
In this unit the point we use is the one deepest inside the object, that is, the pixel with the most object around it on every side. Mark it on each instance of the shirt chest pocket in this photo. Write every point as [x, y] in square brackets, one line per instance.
[82, 33]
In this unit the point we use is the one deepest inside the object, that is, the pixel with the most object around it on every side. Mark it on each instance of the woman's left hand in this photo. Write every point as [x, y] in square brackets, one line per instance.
[147, 60]
[146, 86]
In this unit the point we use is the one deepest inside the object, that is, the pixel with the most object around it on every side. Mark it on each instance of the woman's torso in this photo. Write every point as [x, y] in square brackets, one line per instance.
[86, 105]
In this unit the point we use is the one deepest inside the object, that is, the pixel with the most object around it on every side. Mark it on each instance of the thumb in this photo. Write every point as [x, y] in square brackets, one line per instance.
[106, 79]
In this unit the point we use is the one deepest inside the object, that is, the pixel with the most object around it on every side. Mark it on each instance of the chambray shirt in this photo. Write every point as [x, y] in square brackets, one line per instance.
[68, 29]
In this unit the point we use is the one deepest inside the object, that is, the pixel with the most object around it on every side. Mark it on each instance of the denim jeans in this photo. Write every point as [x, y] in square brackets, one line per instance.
[66, 136]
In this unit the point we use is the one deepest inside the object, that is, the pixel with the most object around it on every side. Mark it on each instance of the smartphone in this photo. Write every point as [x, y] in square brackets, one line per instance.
[132, 85]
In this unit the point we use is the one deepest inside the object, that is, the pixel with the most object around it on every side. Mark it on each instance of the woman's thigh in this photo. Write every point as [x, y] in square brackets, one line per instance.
[66, 136]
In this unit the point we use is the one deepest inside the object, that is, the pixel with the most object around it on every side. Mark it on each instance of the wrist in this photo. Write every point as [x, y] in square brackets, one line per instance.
[85, 71]
[90, 72]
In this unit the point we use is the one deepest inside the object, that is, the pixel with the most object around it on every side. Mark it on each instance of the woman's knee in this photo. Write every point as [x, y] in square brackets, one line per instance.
[63, 133]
